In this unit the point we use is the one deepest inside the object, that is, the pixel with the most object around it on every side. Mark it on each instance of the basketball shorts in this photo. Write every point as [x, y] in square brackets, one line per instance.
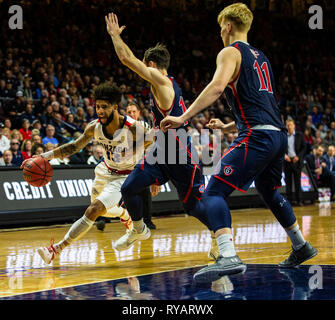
[106, 187]
[256, 155]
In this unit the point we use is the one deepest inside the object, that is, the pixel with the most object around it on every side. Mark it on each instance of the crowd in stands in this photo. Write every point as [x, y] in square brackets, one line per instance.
[49, 69]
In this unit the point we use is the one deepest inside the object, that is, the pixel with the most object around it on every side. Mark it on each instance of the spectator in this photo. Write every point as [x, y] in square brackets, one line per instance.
[90, 114]
[330, 158]
[316, 116]
[50, 133]
[8, 124]
[25, 132]
[37, 149]
[309, 140]
[17, 155]
[294, 161]
[322, 176]
[6, 159]
[80, 116]
[96, 156]
[329, 139]
[16, 134]
[36, 138]
[26, 149]
[29, 113]
[4, 141]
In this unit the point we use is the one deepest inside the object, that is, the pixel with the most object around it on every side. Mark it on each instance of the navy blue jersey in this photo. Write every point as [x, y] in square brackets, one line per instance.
[251, 93]
[176, 109]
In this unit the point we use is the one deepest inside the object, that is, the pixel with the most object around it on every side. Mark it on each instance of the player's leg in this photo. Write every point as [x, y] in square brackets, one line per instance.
[76, 231]
[141, 178]
[239, 165]
[267, 184]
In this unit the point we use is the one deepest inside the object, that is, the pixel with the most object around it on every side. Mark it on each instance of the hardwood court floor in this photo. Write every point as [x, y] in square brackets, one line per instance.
[179, 242]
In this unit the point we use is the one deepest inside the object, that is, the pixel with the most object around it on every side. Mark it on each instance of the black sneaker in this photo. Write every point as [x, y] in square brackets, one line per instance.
[223, 266]
[150, 225]
[299, 256]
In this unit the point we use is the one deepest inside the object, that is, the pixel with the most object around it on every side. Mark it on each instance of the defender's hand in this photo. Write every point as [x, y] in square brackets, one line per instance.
[155, 189]
[112, 25]
[170, 122]
[215, 124]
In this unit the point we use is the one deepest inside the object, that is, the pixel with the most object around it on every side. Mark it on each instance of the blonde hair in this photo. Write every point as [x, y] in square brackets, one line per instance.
[239, 14]
[15, 131]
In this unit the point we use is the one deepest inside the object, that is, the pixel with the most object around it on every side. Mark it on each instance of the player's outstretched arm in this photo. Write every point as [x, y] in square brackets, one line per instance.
[226, 63]
[70, 148]
[127, 57]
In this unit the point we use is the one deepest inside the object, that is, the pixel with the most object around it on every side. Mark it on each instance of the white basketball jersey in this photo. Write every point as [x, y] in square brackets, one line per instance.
[119, 152]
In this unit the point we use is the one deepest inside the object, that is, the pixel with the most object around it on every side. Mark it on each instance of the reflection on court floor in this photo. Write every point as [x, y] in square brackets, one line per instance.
[162, 266]
[260, 282]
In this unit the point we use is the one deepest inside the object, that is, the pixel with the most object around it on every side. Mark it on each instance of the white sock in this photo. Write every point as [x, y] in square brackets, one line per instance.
[296, 238]
[139, 225]
[78, 229]
[226, 245]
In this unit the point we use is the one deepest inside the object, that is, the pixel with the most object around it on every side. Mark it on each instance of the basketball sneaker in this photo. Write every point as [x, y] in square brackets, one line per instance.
[213, 251]
[131, 236]
[222, 267]
[299, 256]
[47, 253]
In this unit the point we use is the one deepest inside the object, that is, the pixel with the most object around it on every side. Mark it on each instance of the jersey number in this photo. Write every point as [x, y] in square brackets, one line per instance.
[265, 84]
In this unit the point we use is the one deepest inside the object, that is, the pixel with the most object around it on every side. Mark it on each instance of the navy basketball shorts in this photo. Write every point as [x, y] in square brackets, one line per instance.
[255, 155]
[187, 178]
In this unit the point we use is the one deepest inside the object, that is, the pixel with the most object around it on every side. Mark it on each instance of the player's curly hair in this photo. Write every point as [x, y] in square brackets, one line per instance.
[239, 14]
[107, 91]
[159, 55]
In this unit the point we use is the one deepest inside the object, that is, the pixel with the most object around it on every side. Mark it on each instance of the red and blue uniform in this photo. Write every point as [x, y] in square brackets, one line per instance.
[185, 174]
[257, 154]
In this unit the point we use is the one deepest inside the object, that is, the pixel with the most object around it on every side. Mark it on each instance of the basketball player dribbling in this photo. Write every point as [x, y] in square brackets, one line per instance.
[166, 98]
[244, 74]
[116, 134]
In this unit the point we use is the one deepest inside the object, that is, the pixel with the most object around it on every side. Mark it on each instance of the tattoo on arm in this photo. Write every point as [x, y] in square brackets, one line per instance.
[75, 146]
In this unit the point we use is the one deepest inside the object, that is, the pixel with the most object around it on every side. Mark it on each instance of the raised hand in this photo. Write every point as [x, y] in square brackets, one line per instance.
[112, 25]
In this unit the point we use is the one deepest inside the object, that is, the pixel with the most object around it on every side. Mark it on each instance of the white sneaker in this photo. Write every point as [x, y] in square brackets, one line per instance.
[213, 251]
[131, 236]
[47, 253]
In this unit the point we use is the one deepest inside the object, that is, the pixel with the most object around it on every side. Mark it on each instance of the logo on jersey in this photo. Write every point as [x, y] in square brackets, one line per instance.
[228, 170]
[202, 188]
[255, 53]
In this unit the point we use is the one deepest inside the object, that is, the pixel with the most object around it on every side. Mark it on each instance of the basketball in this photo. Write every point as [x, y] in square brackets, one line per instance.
[37, 172]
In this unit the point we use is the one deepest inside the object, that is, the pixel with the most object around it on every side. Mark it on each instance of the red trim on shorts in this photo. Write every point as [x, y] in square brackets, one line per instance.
[191, 185]
[274, 188]
[230, 184]
[117, 171]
